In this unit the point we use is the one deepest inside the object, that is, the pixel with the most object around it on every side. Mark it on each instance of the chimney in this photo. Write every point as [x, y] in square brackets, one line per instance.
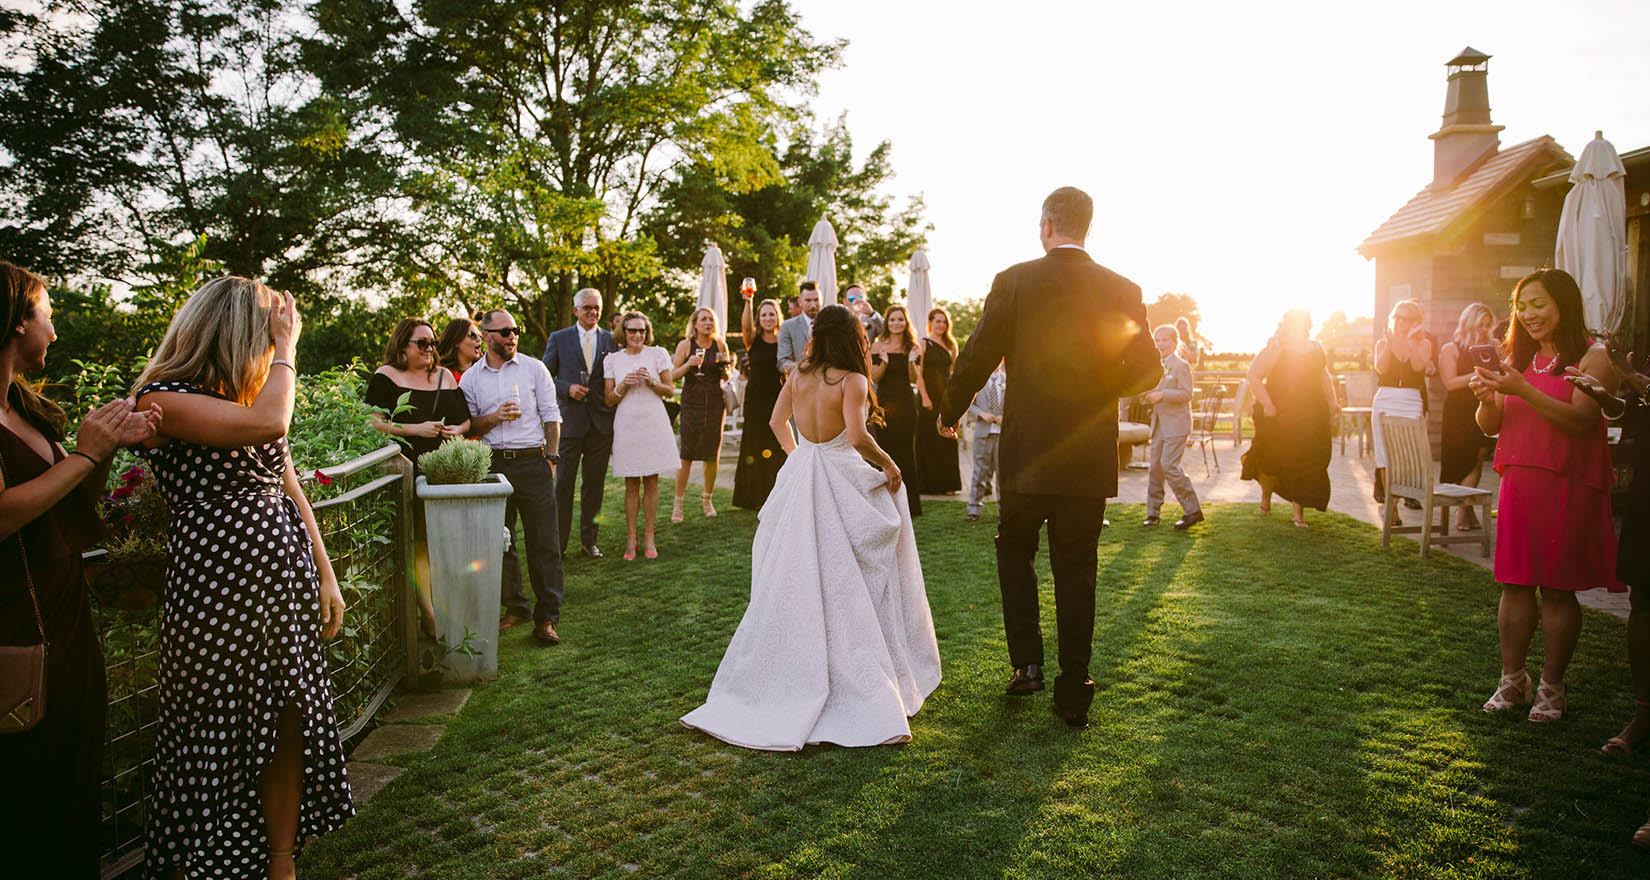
[1466, 135]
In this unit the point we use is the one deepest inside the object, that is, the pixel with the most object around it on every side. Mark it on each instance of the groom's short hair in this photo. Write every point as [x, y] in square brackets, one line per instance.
[1069, 210]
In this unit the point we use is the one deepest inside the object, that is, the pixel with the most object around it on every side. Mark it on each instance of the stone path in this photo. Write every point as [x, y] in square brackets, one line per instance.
[406, 731]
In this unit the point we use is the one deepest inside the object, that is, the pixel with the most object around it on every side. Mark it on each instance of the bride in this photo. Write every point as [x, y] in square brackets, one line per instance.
[837, 644]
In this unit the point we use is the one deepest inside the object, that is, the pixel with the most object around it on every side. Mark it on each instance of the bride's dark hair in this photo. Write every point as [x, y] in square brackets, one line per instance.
[839, 341]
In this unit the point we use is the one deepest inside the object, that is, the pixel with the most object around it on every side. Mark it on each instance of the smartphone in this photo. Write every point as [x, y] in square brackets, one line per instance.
[1485, 356]
[876, 358]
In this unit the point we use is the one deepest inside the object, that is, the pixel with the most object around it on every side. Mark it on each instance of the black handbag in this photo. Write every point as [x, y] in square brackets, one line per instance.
[23, 668]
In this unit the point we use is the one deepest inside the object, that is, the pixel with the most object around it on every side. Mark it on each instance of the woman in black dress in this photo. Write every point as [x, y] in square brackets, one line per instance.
[49, 813]
[438, 412]
[760, 455]
[703, 359]
[1464, 445]
[937, 469]
[894, 372]
[246, 733]
[1294, 408]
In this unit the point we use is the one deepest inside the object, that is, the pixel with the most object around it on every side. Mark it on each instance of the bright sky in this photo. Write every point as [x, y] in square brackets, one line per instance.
[1238, 152]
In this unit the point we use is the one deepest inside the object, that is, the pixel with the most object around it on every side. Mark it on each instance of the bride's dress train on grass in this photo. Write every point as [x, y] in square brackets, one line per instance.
[837, 644]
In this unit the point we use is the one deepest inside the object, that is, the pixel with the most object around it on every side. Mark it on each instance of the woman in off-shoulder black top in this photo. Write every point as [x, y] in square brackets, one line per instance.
[438, 409]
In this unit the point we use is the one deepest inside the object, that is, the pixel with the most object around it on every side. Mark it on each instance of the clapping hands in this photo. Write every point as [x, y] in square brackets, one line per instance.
[116, 424]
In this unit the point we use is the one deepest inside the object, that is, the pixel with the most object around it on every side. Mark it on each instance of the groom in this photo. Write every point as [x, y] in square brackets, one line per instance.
[1075, 339]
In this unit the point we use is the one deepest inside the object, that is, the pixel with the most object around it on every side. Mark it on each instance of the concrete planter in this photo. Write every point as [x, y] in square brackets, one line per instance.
[465, 527]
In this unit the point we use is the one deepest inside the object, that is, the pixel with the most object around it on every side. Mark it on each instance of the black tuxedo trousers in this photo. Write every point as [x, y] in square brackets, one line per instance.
[1073, 553]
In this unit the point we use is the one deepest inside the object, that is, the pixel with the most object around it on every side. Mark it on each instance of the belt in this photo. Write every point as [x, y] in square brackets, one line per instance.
[513, 454]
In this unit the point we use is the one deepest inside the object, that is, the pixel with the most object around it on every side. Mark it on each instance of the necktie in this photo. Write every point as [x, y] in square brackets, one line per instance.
[587, 341]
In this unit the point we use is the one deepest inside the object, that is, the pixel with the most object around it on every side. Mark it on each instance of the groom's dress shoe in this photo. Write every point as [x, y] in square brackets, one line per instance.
[1026, 680]
[1079, 721]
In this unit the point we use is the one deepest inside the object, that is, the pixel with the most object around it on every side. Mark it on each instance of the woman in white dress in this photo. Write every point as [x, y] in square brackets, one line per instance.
[837, 644]
[643, 446]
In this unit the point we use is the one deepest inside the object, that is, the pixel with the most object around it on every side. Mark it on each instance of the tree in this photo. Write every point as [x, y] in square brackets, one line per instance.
[1169, 306]
[540, 131]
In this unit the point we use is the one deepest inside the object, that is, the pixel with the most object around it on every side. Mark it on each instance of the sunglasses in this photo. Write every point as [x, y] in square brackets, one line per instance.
[635, 329]
[473, 335]
[590, 308]
[505, 332]
[424, 344]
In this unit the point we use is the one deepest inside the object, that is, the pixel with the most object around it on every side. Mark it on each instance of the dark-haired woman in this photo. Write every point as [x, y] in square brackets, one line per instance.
[438, 410]
[760, 455]
[48, 515]
[1294, 408]
[938, 472]
[1556, 535]
[459, 346]
[837, 644]
[894, 372]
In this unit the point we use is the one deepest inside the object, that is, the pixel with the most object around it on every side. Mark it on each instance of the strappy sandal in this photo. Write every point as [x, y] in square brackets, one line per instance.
[709, 510]
[1549, 702]
[1514, 690]
[676, 510]
[1619, 745]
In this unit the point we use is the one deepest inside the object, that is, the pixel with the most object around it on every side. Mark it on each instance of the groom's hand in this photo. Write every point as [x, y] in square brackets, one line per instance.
[946, 431]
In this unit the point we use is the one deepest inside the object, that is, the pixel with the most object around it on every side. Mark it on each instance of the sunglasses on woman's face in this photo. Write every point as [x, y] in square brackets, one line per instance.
[474, 335]
[506, 332]
[424, 344]
[635, 329]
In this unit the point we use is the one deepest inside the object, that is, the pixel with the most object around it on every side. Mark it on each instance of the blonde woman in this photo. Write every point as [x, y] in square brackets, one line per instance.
[247, 734]
[703, 359]
[1403, 361]
[1464, 445]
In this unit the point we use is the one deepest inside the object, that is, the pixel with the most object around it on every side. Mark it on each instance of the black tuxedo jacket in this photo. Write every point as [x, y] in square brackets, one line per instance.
[1075, 338]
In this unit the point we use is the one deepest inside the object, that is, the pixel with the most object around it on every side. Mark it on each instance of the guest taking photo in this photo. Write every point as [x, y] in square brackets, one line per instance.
[1464, 446]
[1403, 361]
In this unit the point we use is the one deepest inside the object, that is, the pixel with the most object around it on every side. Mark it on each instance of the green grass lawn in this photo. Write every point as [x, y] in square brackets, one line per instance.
[1271, 702]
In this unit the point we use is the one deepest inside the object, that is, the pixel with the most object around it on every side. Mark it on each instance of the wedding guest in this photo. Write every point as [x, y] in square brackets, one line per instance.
[760, 455]
[575, 357]
[48, 516]
[1632, 410]
[795, 332]
[1404, 359]
[459, 346]
[702, 362]
[438, 411]
[1187, 348]
[512, 402]
[938, 471]
[987, 410]
[1554, 535]
[1464, 446]
[854, 296]
[793, 306]
[1171, 403]
[638, 382]
[893, 369]
[1295, 406]
[246, 732]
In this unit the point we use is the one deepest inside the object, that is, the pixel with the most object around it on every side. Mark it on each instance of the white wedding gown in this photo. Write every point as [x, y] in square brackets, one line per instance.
[837, 644]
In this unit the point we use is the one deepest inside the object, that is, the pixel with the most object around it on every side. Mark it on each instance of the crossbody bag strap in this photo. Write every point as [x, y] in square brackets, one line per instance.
[39, 622]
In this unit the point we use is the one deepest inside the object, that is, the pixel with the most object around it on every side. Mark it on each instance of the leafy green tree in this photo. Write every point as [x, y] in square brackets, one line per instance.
[1170, 306]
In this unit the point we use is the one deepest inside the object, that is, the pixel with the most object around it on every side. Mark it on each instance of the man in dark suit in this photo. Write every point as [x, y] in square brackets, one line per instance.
[574, 355]
[1074, 336]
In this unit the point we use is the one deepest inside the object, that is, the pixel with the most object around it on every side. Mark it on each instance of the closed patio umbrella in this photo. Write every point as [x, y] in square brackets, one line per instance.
[1592, 234]
[713, 285]
[822, 245]
[919, 298]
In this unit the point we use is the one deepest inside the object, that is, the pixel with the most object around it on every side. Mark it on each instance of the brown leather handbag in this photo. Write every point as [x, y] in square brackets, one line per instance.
[23, 668]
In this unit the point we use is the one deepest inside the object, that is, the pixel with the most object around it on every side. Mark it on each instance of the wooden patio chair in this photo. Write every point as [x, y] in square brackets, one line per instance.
[1358, 409]
[1206, 413]
[1409, 475]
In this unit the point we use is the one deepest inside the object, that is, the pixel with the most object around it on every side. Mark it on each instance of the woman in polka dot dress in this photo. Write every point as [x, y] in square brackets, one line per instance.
[248, 762]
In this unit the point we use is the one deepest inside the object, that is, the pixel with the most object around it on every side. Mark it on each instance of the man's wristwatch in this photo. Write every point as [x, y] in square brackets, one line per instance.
[553, 457]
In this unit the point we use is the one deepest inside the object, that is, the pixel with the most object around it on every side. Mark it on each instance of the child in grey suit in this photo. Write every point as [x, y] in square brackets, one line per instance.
[987, 411]
[1171, 404]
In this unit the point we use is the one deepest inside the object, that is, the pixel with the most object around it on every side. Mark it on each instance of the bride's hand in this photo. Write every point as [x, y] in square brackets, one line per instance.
[894, 478]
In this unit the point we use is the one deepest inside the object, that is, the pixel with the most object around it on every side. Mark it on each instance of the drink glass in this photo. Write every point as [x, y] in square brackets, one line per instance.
[515, 397]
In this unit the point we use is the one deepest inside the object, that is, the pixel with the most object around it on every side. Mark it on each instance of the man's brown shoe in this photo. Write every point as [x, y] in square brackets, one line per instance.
[545, 633]
[510, 620]
[1026, 680]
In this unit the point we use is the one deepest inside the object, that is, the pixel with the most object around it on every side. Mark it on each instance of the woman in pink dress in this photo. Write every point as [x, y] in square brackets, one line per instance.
[1555, 531]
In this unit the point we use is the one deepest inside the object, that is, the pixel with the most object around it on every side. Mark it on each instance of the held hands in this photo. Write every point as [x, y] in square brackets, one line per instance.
[332, 604]
[949, 432]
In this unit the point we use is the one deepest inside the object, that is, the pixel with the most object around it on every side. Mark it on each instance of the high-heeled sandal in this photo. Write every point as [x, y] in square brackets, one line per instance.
[676, 510]
[1514, 690]
[650, 551]
[1641, 837]
[709, 510]
[1619, 744]
[630, 548]
[1549, 702]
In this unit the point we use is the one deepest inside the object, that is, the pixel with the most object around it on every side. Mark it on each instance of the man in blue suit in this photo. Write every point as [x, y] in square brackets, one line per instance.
[574, 355]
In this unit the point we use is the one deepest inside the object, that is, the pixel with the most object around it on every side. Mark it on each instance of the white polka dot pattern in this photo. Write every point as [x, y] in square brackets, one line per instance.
[240, 633]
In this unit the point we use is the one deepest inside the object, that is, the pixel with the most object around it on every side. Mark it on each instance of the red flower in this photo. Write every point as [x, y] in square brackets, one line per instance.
[132, 476]
[122, 492]
[321, 478]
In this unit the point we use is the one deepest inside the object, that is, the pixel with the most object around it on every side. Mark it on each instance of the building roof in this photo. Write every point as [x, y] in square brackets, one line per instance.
[1468, 57]
[1434, 210]
[1629, 160]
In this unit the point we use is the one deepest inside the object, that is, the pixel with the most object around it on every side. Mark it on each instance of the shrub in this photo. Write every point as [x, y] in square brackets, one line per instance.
[457, 461]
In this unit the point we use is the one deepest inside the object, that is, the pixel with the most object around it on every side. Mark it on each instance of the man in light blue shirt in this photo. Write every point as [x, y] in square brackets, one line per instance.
[513, 409]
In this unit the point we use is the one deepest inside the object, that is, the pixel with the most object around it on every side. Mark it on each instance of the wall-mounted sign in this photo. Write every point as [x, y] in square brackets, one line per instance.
[1500, 238]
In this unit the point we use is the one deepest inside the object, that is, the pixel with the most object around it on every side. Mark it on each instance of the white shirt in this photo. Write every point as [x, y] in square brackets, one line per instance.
[1077, 247]
[486, 388]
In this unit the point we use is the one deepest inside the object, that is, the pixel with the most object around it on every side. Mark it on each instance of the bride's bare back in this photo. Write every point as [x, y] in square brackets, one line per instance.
[816, 403]
[827, 404]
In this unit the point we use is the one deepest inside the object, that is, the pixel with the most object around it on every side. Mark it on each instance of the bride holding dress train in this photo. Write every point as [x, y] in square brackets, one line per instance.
[837, 644]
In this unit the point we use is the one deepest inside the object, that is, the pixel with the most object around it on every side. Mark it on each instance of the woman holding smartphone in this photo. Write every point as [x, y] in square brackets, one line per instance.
[1556, 537]
[1403, 361]
[1464, 446]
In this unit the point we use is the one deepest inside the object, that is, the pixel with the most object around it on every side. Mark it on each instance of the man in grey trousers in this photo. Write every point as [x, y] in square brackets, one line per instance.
[1171, 404]
[987, 410]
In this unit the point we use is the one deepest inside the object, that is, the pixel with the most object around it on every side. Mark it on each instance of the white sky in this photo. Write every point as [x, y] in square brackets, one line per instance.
[1238, 152]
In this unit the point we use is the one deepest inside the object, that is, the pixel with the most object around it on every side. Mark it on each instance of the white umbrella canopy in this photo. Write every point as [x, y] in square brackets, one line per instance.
[822, 245]
[1592, 234]
[919, 296]
[713, 285]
